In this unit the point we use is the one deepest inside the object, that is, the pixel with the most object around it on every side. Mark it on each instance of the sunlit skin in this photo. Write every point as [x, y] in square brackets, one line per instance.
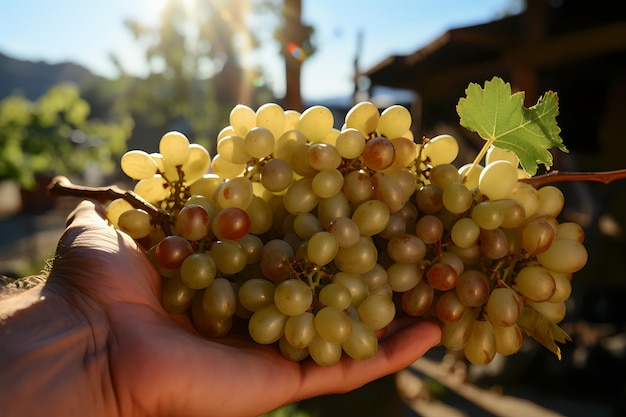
[95, 341]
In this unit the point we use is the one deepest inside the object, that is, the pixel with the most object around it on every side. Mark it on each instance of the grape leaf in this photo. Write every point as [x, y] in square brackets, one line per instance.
[501, 119]
[542, 330]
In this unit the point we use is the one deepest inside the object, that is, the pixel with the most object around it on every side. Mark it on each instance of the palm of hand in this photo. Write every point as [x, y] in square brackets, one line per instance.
[157, 364]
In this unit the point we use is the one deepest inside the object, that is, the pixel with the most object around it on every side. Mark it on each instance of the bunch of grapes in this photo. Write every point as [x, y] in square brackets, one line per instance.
[316, 238]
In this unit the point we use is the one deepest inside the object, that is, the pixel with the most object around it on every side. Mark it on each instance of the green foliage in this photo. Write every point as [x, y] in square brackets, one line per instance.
[543, 330]
[501, 119]
[54, 135]
[196, 73]
[290, 410]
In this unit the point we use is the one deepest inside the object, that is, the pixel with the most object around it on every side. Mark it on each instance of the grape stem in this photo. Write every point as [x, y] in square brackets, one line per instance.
[605, 177]
[61, 186]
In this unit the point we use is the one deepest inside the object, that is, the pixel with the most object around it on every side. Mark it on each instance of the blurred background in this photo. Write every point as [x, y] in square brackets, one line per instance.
[81, 82]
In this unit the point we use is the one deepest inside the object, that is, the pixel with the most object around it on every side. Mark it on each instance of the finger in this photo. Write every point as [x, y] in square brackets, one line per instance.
[87, 212]
[397, 352]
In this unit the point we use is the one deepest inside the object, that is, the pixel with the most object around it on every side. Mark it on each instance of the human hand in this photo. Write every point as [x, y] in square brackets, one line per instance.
[96, 341]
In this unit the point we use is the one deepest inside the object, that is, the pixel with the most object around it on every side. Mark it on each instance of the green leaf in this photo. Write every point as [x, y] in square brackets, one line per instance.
[501, 119]
[542, 330]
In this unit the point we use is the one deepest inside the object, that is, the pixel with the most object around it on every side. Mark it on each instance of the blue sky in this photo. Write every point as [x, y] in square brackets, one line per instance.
[88, 31]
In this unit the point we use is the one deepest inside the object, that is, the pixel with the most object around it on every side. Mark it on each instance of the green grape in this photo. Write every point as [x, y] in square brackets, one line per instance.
[377, 311]
[300, 162]
[290, 352]
[267, 325]
[197, 164]
[198, 271]
[300, 329]
[442, 149]
[555, 312]
[538, 234]
[358, 258]
[513, 213]
[276, 175]
[473, 288]
[153, 189]
[323, 156]
[551, 200]
[562, 281]
[300, 197]
[371, 217]
[443, 175]
[306, 225]
[233, 149]
[480, 348]
[236, 192]
[357, 186]
[327, 183]
[242, 118]
[470, 175]
[350, 143]
[535, 283]
[465, 232]
[275, 257]
[323, 352]
[260, 215]
[206, 186]
[315, 123]
[345, 231]
[115, 209]
[405, 151]
[286, 144]
[256, 293]
[394, 121]
[364, 117]
[503, 307]
[293, 297]
[174, 146]
[429, 199]
[497, 179]
[403, 276]
[362, 344]
[406, 248]
[226, 131]
[329, 209]
[353, 282]
[375, 278]
[158, 159]
[322, 248]
[138, 165]
[229, 256]
[259, 142]
[457, 198]
[495, 153]
[508, 339]
[272, 117]
[564, 256]
[493, 244]
[570, 231]
[135, 222]
[379, 153]
[389, 190]
[454, 336]
[220, 300]
[488, 215]
[193, 222]
[333, 324]
[176, 297]
[226, 169]
[527, 195]
[418, 299]
[335, 295]
[449, 308]
[207, 326]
